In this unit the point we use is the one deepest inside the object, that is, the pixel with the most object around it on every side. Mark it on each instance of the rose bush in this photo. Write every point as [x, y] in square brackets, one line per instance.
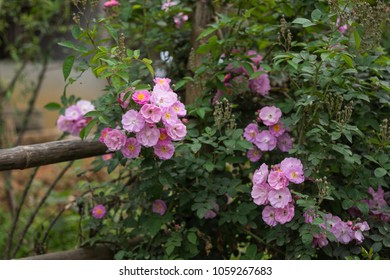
[205, 180]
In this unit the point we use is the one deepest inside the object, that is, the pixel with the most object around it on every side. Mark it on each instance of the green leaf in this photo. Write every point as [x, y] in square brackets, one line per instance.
[52, 106]
[209, 166]
[192, 238]
[180, 84]
[363, 207]
[71, 45]
[380, 172]
[316, 15]
[76, 31]
[206, 32]
[307, 238]
[136, 54]
[346, 204]
[112, 32]
[357, 38]
[347, 60]
[196, 147]
[304, 21]
[85, 131]
[67, 66]
[169, 249]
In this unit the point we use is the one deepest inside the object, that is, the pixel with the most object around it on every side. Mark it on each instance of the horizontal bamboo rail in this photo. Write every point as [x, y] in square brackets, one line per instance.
[28, 156]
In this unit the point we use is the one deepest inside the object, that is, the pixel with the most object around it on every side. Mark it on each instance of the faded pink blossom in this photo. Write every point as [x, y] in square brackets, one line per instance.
[255, 57]
[212, 213]
[250, 132]
[254, 154]
[279, 198]
[177, 131]
[151, 113]
[270, 115]
[179, 109]
[85, 106]
[162, 84]
[115, 140]
[132, 148]
[284, 142]
[111, 3]
[169, 116]
[277, 180]
[309, 215]
[259, 194]
[103, 134]
[163, 98]
[148, 136]
[141, 97]
[260, 175]
[133, 121]
[99, 211]
[164, 138]
[159, 207]
[320, 240]
[265, 141]
[73, 113]
[64, 124]
[341, 28]
[277, 129]
[167, 4]
[343, 232]
[164, 151]
[358, 231]
[180, 19]
[293, 170]
[260, 84]
[268, 216]
[285, 215]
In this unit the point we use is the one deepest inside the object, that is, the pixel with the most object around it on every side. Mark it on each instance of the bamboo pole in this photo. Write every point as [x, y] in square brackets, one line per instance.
[28, 156]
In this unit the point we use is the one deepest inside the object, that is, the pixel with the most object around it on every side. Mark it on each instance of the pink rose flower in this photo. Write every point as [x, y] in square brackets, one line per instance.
[124, 103]
[159, 207]
[111, 3]
[277, 129]
[255, 57]
[148, 136]
[85, 106]
[268, 216]
[151, 113]
[163, 98]
[180, 19]
[115, 140]
[277, 180]
[179, 109]
[284, 215]
[99, 211]
[279, 198]
[260, 175]
[131, 149]
[260, 84]
[164, 138]
[293, 170]
[141, 97]
[103, 134]
[259, 194]
[250, 132]
[169, 116]
[320, 240]
[177, 131]
[73, 113]
[162, 84]
[265, 141]
[164, 151]
[254, 154]
[133, 121]
[270, 115]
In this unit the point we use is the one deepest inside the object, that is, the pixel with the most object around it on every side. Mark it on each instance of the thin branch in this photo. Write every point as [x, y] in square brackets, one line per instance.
[43, 200]
[8, 246]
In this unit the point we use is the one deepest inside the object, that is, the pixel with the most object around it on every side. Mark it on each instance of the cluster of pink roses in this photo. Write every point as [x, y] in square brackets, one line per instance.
[260, 84]
[156, 124]
[344, 232]
[180, 18]
[270, 188]
[267, 140]
[73, 121]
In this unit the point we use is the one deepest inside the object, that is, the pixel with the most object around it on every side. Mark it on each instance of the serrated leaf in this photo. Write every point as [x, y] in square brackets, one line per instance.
[71, 45]
[180, 84]
[380, 172]
[307, 238]
[52, 106]
[357, 38]
[347, 60]
[206, 32]
[67, 66]
[136, 54]
[112, 32]
[76, 31]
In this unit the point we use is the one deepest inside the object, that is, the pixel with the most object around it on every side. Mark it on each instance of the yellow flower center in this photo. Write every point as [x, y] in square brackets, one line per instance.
[276, 127]
[131, 147]
[141, 96]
